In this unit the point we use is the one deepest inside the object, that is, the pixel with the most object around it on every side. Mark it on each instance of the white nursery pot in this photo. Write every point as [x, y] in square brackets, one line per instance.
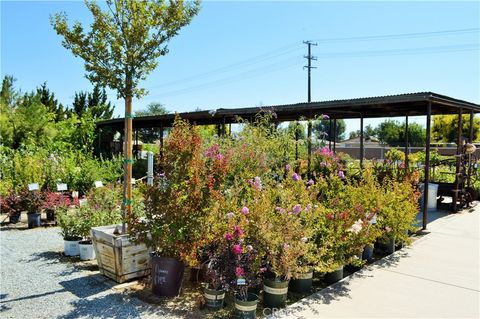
[86, 251]
[71, 247]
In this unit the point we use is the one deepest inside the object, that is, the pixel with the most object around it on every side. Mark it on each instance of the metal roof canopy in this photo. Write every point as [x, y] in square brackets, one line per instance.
[411, 104]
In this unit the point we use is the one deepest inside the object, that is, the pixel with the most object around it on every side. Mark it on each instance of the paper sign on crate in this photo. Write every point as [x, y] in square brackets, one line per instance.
[62, 187]
[98, 184]
[33, 187]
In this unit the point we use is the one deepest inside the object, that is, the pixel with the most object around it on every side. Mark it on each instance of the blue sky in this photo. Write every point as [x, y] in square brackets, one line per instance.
[237, 54]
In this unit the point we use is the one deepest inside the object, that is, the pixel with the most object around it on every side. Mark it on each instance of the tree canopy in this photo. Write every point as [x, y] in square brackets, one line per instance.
[444, 128]
[322, 127]
[95, 102]
[392, 132]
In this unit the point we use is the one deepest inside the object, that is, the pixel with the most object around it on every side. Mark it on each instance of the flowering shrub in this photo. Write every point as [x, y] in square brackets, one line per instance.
[326, 163]
[233, 260]
[179, 202]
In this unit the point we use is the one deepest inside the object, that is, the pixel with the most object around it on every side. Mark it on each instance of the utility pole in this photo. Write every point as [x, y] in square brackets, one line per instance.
[309, 57]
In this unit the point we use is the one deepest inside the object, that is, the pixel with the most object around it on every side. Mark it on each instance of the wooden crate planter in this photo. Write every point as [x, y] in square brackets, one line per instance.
[117, 257]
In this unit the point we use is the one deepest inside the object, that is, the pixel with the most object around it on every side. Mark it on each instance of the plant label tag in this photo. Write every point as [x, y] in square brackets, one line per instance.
[62, 187]
[241, 282]
[82, 201]
[98, 184]
[75, 194]
[373, 221]
[133, 181]
[33, 187]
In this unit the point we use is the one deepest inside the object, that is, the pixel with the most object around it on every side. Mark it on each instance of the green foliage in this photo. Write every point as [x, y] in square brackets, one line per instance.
[150, 135]
[48, 99]
[392, 132]
[67, 220]
[321, 127]
[95, 103]
[124, 42]
[444, 128]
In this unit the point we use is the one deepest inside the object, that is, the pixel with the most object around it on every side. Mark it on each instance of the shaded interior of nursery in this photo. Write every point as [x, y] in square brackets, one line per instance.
[403, 105]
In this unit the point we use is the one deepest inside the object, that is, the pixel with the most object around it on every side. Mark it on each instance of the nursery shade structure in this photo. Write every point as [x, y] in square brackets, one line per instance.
[402, 105]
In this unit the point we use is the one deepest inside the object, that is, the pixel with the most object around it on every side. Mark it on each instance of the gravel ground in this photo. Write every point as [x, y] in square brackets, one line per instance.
[37, 281]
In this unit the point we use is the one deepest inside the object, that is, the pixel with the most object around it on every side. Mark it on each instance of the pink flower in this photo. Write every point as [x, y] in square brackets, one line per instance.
[263, 269]
[323, 164]
[228, 236]
[330, 216]
[237, 249]
[308, 208]
[285, 246]
[341, 174]
[219, 157]
[402, 165]
[256, 183]
[287, 167]
[280, 210]
[297, 209]
[295, 177]
[325, 117]
[211, 151]
[245, 210]
[326, 151]
[239, 272]
[230, 215]
[237, 231]
[310, 182]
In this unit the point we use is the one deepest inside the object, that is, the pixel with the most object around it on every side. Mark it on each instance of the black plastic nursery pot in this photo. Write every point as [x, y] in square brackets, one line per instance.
[301, 284]
[15, 217]
[167, 275]
[386, 245]
[246, 309]
[34, 220]
[275, 293]
[334, 276]
[213, 298]
[368, 253]
[50, 215]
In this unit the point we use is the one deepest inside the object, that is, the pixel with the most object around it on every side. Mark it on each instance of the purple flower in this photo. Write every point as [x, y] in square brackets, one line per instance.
[341, 174]
[297, 209]
[280, 210]
[219, 157]
[295, 177]
[308, 208]
[245, 210]
[211, 151]
[228, 236]
[161, 175]
[230, 215]
[325, 117]
[256, 183]
[287, 167]
[237, 249]
[310, 182]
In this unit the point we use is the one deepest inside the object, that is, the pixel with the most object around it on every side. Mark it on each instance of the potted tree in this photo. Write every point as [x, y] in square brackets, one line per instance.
[68, 221]
[33, 203]
[174, 210]
[11, 205]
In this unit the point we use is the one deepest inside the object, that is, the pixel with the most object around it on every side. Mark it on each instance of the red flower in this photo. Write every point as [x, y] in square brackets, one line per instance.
[330, 216]
[239, 272]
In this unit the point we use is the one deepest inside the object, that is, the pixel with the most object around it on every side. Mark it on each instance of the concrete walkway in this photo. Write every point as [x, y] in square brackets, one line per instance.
[436, 277]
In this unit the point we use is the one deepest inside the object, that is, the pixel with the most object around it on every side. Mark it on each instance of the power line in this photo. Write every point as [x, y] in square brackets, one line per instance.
[400, 36]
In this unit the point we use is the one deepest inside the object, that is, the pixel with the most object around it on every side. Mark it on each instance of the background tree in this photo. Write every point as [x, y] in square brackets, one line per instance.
[8, 95]
[48, 99]
[444, 128]
[95, 102]
[299, 129]
[150, 135]
[323, 126]
[354, 134]
[122, 48]
[392, 132]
